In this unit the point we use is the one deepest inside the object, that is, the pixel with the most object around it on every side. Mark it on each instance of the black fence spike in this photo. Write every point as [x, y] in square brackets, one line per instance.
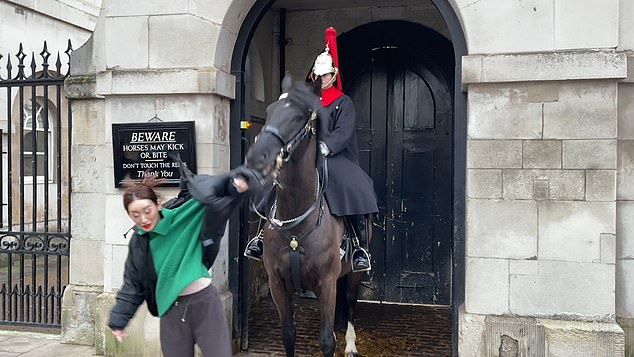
[21, 56]
[9, 67]
[68, 52]
[45, 55]
[33, 65]
[58, 65]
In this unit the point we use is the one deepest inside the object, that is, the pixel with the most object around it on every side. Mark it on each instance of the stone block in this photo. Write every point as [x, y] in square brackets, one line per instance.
[88, 122]
[166, 81]
[545, 66]
[181, 40]
[626, 111]
[559, 184]
[568, 290]
[118, 8]
[627, 324]
[117, 219]
[626, 32]
[584, 339]
[494, 154]
[625, 230]
[78, 314]
[501, 229]
[513, 336]
[215, 14]
[484, 183]
[518, 184]
[506, 35]
[129, 109]
[84, 254]
[472, 69]
[119, 256]
[499, 111]
[89, 176]
[573, 19]
[541, 92]
[571, 231]
[625, 170]
[90, 225]
[128, 37]
[601, 185]
[523, 267]
[589, 154]
[541, 154]
[489, 298]
[585, 110]
[608, 248]
[625, 287]
[510, 336]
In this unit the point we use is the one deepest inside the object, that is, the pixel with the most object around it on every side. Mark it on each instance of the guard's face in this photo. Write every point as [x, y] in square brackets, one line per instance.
[144, 213]
[325, 80]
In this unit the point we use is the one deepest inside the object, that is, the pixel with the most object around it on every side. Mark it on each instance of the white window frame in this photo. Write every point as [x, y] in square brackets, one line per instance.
[39, 127]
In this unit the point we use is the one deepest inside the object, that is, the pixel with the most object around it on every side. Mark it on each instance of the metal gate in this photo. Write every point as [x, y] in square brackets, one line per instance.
[35, 125]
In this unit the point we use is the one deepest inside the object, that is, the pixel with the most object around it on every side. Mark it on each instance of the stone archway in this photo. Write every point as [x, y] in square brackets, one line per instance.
[249, 15]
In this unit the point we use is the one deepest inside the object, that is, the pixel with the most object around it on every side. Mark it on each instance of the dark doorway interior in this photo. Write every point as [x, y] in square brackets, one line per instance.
[399, 74]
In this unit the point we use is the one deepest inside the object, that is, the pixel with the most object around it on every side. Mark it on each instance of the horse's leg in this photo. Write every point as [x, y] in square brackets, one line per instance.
[352, 290]
[284, 304]
[327, 292]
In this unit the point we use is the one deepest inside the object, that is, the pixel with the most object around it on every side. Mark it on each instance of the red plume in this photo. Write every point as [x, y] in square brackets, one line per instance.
[331, 42]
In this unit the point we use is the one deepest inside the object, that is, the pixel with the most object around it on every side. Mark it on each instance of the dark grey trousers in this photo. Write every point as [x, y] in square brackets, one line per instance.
[199, 319]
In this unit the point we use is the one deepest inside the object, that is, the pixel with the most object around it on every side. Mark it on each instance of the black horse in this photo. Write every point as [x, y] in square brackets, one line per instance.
[302, 239]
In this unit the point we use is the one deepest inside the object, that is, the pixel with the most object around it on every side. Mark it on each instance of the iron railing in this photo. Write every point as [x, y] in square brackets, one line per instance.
[35, 137]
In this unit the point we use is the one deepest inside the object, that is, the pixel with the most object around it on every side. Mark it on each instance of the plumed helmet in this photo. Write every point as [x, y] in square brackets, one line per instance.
[328, 60]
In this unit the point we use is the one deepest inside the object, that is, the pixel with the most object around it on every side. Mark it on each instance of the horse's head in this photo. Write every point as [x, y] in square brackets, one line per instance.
[289, 121]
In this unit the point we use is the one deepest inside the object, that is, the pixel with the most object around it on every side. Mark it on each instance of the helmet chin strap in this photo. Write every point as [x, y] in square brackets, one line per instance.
[331, 81]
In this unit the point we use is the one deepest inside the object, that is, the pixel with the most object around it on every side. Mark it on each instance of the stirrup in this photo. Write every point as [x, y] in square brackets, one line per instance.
[246, 249]
[367, 256]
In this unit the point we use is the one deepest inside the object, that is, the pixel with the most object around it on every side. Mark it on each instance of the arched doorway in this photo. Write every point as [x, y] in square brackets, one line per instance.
[437, 80]
[398, 74]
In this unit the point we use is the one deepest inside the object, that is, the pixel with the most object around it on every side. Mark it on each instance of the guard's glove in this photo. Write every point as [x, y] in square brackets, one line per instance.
[323, 149]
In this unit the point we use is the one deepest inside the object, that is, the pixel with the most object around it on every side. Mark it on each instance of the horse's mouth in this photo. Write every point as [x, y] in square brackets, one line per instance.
[263, 174]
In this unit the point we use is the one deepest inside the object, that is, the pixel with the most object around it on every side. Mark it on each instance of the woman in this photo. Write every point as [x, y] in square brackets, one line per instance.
[165, 266]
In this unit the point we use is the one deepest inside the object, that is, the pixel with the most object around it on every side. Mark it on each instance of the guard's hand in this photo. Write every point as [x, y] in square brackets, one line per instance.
[323, 149]
[120, 334]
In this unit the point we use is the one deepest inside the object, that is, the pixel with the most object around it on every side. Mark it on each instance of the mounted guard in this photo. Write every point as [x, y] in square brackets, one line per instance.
[350, 191]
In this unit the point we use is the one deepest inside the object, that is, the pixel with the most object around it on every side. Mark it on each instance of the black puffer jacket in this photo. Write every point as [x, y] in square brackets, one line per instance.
[220, 198]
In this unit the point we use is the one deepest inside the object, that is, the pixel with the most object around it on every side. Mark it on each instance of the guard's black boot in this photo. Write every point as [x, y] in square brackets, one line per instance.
[360, 256]
[254, 248]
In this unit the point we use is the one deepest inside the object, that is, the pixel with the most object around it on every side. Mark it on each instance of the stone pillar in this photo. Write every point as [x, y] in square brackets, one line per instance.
[625, 209]
[541, 205]
[87, 182]
[153, 58]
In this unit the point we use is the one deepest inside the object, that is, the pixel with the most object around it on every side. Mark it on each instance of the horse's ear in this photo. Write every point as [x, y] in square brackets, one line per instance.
[287, 82]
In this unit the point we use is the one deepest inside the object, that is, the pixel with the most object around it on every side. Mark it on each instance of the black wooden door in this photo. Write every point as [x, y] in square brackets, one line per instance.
[404, 127]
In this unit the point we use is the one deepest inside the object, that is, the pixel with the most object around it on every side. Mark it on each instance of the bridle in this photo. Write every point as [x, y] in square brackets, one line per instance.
[287, 149]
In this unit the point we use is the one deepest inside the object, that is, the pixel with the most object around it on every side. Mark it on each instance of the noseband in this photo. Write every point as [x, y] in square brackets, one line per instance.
[288, 146]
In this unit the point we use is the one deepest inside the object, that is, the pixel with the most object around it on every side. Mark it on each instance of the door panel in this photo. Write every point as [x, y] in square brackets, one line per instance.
[404, 130]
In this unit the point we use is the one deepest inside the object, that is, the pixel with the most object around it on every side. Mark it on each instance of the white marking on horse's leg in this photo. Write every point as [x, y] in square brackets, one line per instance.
[351, 338]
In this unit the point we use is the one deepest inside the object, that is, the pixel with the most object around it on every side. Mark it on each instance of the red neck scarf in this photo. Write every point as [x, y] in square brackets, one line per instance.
[329, 95]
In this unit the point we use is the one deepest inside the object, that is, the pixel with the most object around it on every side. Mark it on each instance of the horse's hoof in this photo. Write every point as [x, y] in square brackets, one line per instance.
[352, 354]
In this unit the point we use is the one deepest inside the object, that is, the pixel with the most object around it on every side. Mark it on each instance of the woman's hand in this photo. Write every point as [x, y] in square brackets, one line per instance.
[240, 184]
[120, 334]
